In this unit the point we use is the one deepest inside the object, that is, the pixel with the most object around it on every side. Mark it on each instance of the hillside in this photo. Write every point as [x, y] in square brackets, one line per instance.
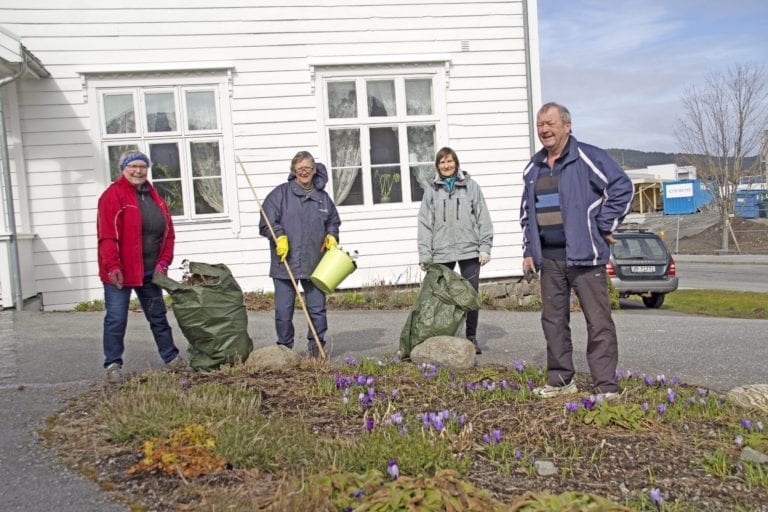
[634, 159]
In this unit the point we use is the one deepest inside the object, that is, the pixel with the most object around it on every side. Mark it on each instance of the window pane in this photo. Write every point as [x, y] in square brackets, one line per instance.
[421, 176]
[386, 184]
[418, 97]
[348, 186]
[171, 194]
[201, 110]
[209, 197]
[161, 111]
[421, 144]
[205, 158]
[342, 100]
[118, 113]
[345, 166]
[381, 98]
[166, 175]
[113, 153]
[385, 147]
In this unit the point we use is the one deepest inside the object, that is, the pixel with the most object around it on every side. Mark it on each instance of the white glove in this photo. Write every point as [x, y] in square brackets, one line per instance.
[484, 258]
[423, 266]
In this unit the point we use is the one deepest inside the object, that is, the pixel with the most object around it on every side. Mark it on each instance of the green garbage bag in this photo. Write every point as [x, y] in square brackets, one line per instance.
[440, 309]
[210, 311]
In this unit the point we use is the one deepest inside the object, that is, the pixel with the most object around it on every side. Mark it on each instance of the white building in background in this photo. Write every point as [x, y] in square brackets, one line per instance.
[368, 88]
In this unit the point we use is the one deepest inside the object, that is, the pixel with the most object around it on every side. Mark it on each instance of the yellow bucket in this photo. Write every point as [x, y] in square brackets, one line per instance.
[335, 266]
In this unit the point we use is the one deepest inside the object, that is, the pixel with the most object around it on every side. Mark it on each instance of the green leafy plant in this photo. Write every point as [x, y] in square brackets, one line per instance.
[386, 182]
[629, 417]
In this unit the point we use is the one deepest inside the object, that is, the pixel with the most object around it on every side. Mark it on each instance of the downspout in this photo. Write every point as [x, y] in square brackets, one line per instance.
[18, 297]
[529, 81]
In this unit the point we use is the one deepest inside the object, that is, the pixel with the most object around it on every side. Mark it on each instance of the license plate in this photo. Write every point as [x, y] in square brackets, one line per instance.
[642, 268]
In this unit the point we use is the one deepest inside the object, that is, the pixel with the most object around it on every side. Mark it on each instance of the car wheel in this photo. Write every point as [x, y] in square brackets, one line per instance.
[654, 301]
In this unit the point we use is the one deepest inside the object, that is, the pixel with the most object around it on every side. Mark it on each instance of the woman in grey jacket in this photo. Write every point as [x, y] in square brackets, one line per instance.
[455, 226]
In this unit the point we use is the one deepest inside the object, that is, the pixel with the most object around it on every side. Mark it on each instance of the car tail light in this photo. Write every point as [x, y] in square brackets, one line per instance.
[672, 272]
[612, 271]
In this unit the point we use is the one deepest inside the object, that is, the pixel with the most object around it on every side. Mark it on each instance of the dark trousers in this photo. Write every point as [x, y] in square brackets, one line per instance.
[591, 288]
[470, 270]
[116, 303]
[285, 303]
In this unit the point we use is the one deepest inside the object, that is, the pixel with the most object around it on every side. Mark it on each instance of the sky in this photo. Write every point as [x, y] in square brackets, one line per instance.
[622, 67]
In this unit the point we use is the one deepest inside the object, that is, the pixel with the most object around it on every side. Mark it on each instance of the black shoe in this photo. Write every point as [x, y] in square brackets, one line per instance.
[473, 339]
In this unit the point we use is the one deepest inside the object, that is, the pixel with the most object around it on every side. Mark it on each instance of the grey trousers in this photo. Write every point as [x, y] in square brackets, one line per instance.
[591, 288]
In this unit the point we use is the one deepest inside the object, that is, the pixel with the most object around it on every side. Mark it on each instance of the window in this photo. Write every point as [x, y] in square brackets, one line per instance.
[381, 133]
[180, 129]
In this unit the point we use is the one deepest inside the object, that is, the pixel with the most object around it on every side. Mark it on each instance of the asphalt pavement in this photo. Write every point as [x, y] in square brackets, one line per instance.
[46, 359]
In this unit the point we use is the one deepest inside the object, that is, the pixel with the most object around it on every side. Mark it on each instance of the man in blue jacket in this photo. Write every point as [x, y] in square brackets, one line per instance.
[575, 197]
[303, 215]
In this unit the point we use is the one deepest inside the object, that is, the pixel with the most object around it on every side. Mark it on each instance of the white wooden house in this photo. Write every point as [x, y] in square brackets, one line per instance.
[369, 88]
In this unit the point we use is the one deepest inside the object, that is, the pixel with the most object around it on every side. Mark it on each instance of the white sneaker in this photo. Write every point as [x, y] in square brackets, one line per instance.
[115, 374]
[548, 391]
[605, 397]
[178, 365]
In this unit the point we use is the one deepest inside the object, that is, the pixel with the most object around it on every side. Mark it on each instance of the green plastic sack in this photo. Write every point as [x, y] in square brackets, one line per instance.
[440, 309]
[210, 311]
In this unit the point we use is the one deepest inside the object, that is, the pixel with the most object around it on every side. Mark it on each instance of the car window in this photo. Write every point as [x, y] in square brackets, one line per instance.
[639, 248]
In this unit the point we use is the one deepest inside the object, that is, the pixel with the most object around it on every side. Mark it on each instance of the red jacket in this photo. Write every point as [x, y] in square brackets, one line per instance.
[118, 227]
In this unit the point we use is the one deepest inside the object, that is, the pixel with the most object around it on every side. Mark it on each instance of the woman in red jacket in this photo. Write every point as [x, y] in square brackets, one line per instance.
[135, 240]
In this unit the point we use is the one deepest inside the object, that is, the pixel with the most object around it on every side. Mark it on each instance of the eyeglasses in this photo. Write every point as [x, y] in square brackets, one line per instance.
[305, 169]
[137, 167]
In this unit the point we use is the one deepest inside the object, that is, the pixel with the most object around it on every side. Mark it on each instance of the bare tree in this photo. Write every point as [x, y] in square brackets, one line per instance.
[723, 121]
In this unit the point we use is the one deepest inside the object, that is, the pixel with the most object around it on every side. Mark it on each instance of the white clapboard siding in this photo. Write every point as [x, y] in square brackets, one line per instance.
[274, 112]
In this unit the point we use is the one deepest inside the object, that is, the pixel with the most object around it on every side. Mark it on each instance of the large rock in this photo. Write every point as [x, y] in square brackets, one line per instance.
[276, 357]
[446, 351]
[751, 396]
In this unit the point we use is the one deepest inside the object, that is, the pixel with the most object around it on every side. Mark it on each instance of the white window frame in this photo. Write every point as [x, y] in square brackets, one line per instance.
[97, 83]
[437, 70]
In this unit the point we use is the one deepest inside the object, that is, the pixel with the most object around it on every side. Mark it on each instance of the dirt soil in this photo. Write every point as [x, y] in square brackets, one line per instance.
[606, 461]
[701, 233]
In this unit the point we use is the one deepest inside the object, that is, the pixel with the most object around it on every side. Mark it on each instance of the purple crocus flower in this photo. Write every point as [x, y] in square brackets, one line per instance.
[739, 440]
[671, 395]
[351, 361]
[645, 406]
[487, 438]
[519, 366]
[518, 454]
[369, 424]
[571, 407]
[496, 436]
[588, 404]
[531, 385]
[701, 391]
[661, 408]
[674, 380]
[746, 423]
[392, 469]
[358, 494]
[648, 380]
[655, 495]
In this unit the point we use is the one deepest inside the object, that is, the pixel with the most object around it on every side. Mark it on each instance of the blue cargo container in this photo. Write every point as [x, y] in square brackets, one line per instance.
[685, 196]
[750, 204]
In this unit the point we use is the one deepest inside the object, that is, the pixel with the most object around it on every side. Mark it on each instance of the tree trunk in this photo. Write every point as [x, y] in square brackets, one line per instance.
[726, 232]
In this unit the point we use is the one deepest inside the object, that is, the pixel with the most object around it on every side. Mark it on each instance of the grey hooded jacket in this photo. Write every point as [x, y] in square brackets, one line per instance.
[455, 225]
[304, 219]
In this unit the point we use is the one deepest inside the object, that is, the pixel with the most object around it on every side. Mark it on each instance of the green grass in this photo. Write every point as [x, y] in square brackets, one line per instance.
[719, 303]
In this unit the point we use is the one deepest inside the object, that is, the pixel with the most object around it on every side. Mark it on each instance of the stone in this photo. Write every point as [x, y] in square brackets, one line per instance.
[276, 357]
[751, 396]
[545, 468]
[445, 351]
[749, 454]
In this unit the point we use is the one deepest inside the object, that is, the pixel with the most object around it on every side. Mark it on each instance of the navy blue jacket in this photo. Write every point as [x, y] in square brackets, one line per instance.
[305, 220]
[595, 196]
